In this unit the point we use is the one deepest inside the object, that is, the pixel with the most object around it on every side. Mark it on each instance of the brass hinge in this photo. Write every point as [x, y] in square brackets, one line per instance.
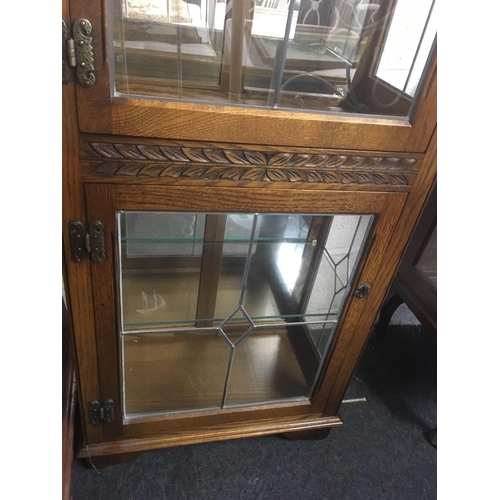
[104, 412]
[77, 52]
[83, 242]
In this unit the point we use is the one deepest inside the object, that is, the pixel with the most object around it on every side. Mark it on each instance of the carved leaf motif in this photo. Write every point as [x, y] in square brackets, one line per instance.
[151, 152]
[307, 160]
[195, 172]
[359, 162]
[312, 176]
[329, 177]
[129, 169]
[212, 173]
[255, 174]
[335, 161]
[130, 151]
[352, 162]
[410, 162]
[236, 157]
[398, 179]
[363, 178]
[280, 158]
[233, 174]
[174, 154]
[195, 155]
[107, 169]
[299, 160]
[173, 171]
[276, 175]
[387, 164]
[104, 149]
[317, 161]
[215, 155]
[379, 179]
[379, 164]
[296, 175]
[255, 157]
[151, 170]
[347, 178]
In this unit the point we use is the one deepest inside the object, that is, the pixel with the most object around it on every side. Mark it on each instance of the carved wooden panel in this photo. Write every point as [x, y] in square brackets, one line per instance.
[112, 159]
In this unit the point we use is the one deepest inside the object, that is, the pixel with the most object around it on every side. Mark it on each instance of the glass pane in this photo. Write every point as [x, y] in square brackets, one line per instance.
[259, 295]
[160, 256]
[266, 368]
[427, 263]
[173, 372]
[335, 271]
[413, 28]
[340, 56]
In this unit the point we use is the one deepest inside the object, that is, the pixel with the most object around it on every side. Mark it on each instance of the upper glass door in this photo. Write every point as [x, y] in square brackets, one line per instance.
[352, 74]
[300, 54]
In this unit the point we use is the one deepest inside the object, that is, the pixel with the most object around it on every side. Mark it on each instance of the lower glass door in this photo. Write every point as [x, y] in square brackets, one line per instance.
[227, 310]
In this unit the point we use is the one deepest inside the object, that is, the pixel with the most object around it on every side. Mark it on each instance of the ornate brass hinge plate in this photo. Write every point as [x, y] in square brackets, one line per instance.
[101, 413]
[83, 242]
[77, 52]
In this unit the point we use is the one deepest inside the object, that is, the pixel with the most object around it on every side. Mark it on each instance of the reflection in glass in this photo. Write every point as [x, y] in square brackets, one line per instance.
[412, 33]
[258, 295]
[427, 262]
[341, 56]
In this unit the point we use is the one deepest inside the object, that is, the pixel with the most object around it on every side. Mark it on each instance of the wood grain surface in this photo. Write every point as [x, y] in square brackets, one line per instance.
[79, 291]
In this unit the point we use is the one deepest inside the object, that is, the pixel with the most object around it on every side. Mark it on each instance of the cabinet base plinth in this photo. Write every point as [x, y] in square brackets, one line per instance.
[109, 460]
[309, 435]
[217, 433]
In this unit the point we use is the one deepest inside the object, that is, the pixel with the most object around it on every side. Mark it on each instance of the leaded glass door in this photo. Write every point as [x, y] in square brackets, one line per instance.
[239, 308]
[219, 311]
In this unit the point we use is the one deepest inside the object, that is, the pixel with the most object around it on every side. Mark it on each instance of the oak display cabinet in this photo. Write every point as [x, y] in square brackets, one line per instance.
[239, 183]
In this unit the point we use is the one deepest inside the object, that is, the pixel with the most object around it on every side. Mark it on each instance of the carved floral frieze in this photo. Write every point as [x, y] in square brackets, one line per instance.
[209, 163]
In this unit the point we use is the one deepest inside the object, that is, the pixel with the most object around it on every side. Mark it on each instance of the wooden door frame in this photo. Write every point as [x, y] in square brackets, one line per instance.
[78, 285]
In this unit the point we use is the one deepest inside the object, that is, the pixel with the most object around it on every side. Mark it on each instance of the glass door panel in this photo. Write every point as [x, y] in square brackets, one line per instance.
[363, 56]
[223, 310]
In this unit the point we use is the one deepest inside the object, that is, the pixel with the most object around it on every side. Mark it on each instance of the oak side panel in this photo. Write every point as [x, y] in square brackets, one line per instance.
[79, 286]
[425, 112]
[68, 404]
[342, 368]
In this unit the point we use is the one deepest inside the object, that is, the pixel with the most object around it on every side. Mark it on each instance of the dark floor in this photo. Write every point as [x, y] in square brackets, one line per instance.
[379, 453]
